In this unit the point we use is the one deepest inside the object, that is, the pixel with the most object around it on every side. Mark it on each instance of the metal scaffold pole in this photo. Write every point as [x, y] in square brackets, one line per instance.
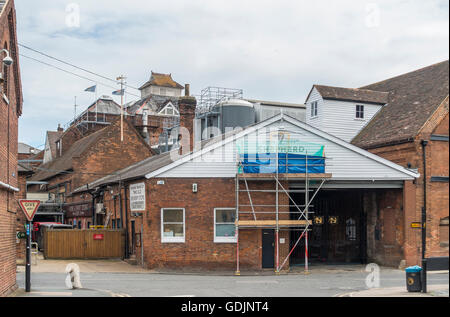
[284, 173]
[306, 211]
[276, 202]
[237, 225]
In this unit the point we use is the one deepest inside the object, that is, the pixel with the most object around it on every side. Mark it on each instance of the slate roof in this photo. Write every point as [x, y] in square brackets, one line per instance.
[163, 80]
[352, 94]
[155, 102]
[413, 98]
[24, 148]
[64, 162]
[148, 165]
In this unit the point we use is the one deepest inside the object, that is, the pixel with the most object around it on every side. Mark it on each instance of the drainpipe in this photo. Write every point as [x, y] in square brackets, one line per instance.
[125, 227]
[424, 218]
[126, 219]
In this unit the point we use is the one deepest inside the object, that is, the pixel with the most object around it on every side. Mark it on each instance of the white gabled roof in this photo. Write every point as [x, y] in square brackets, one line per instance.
[401, 171]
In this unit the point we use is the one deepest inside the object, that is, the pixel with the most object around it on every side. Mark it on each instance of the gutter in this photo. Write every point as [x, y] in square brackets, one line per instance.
[9, 187]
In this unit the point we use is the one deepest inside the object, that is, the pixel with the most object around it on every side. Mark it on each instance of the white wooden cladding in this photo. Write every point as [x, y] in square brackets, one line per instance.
[342, 162]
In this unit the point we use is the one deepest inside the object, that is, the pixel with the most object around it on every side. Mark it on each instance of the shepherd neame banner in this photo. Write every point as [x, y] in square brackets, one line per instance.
[137, 197]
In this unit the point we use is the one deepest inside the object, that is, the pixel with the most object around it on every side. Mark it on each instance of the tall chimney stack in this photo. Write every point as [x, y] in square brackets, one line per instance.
[186, 90]
[187, 105]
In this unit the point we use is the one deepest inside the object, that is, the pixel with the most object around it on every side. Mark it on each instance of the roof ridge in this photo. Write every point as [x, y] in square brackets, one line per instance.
[404, 74]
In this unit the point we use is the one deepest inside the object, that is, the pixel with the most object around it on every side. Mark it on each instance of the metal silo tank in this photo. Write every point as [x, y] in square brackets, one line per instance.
[235, 113]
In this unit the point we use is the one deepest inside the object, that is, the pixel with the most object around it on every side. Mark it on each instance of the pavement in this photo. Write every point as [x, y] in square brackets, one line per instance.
[117, 278]
[432, 291]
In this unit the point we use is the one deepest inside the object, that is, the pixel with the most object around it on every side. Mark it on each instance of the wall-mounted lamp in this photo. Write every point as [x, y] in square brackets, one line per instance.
[7, 61]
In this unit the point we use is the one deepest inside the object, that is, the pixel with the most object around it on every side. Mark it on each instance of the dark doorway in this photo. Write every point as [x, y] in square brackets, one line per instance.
[268, 249]
[337, 234]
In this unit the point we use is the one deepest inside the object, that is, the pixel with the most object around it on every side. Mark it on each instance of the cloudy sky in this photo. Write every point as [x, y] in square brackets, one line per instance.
[273, 50]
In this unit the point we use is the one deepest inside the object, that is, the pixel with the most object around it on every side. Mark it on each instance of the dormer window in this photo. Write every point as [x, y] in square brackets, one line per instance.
[359, 112]
[313, 109]
[169, 110]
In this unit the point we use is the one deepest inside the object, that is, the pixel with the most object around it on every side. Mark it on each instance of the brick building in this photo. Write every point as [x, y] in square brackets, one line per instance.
[417, 111]
[183, 210]
[10, 110]
[99, 153]
[391, 119]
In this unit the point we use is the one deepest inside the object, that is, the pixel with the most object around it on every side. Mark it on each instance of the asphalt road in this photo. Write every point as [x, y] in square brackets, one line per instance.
[322, 283]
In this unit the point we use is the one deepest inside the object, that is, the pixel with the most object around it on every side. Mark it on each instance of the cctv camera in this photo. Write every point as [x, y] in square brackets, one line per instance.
[8, 61]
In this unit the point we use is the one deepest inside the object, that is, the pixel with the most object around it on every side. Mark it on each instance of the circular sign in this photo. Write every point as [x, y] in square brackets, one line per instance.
[410, 281]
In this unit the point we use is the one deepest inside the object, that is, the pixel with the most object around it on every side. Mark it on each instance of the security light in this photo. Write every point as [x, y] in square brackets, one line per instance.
[7, 60]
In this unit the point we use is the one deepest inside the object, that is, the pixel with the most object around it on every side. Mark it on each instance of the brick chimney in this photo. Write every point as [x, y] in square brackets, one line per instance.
[60, 129]
[186, 106]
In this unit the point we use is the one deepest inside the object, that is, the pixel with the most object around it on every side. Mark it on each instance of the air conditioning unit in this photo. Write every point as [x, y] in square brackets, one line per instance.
[99, 208]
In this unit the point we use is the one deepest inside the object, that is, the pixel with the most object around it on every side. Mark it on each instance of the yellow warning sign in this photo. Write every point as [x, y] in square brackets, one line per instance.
[29, 207]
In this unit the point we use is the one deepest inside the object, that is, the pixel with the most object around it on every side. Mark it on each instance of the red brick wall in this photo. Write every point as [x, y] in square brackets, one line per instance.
[437, 193]
[385, 226]
[109, 154]
[8, 152]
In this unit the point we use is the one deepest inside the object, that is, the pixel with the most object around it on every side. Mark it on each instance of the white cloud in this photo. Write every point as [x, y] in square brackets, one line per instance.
[272, 49]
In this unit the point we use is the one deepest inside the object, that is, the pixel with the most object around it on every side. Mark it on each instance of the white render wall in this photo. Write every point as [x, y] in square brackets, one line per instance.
[337, 117]
[156, 90]
[342, 163]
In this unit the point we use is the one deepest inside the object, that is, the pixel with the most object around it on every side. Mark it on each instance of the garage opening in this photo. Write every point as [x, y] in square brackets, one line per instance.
[338, 234]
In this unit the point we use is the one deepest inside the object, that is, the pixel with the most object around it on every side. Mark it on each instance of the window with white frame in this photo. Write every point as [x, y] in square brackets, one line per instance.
[359, 112]
[224, 225]
[172, 225]
[313, 109]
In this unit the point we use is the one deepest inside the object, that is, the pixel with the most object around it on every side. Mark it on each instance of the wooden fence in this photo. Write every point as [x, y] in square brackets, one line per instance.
[83, 244]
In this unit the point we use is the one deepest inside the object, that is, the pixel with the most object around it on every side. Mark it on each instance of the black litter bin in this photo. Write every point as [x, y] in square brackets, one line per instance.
[413, 280]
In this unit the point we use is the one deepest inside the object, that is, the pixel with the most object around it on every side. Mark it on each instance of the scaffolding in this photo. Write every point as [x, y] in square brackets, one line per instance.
[283, 167]
[211, 96]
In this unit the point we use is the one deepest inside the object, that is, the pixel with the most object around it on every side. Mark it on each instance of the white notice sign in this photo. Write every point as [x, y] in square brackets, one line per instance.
[137, 197]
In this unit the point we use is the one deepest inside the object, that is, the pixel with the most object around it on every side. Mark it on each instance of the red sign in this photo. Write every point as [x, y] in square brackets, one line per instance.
[29, 207]
[98, 236]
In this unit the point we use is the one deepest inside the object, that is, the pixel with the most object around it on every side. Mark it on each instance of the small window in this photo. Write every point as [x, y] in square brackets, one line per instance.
[359, 112]
[172, 225]
[170, 110]
[313, 109]
[224, 225]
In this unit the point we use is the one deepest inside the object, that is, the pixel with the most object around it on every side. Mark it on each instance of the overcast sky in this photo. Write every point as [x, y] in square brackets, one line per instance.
[273, 50]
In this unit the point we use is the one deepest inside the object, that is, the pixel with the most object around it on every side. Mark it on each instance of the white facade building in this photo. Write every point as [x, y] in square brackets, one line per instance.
[342, 112]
